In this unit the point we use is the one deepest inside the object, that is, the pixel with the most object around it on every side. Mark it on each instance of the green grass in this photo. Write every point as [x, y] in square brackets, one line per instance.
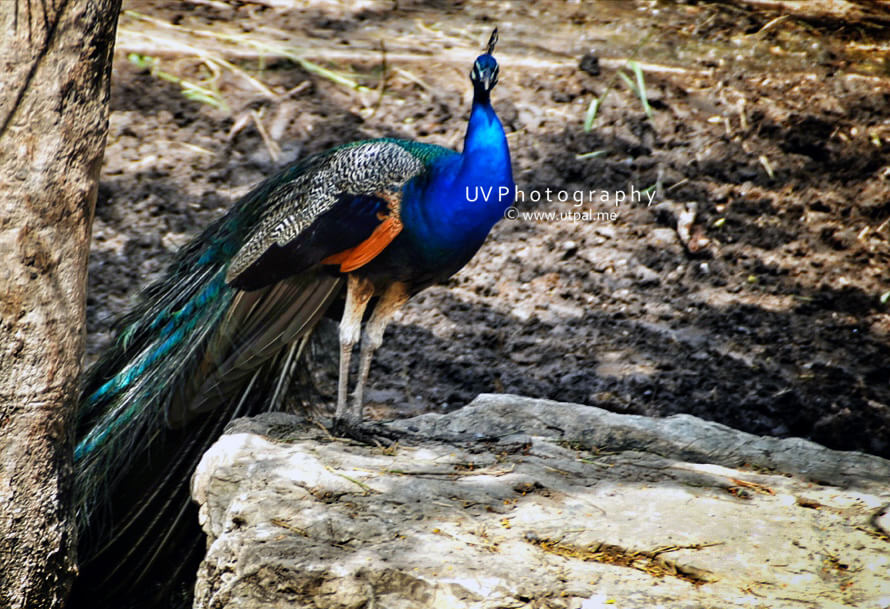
[635, 82]
[190, 90]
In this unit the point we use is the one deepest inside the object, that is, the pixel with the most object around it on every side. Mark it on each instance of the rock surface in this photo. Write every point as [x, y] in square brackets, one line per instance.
[533, 503]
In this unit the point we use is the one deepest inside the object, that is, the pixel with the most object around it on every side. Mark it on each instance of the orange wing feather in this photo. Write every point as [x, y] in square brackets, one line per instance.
[367, 250]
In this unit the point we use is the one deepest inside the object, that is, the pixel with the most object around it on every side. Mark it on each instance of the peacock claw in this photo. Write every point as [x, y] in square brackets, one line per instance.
[373, 434]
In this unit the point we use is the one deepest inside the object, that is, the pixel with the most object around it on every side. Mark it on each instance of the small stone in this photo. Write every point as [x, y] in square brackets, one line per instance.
[590, 64]
[569, 247]
[646, 276]
[566, 310]
[605, 230]
[663, 237]
[883, 521]
[524, 311]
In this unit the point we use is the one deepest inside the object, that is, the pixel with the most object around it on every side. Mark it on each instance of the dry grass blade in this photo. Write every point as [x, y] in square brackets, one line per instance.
[261, 48]
[271, 146]
[642, 560]
[190, 90]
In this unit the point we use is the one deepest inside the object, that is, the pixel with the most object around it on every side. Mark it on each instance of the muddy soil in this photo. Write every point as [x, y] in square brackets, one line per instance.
[768, 312]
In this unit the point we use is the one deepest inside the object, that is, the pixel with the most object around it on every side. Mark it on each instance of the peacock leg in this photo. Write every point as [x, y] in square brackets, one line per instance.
[392, 300]
[358, 293]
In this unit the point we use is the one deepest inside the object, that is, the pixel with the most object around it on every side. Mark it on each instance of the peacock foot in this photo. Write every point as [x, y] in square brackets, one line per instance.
[373, 434]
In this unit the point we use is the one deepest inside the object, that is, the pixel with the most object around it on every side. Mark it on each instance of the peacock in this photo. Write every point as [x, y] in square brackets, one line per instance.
[367, 224]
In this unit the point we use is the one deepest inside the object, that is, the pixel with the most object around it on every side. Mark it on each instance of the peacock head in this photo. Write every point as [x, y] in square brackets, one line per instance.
[484, 74]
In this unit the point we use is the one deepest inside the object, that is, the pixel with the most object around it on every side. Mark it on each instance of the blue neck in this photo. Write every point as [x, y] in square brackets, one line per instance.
[486, 157]
[467, 193]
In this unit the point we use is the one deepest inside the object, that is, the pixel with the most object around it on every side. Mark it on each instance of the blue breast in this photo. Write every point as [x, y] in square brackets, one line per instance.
[448, 212]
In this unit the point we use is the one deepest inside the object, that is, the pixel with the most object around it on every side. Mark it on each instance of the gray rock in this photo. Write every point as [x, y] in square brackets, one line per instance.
[665, 238]
[534, 503]
[646, 276]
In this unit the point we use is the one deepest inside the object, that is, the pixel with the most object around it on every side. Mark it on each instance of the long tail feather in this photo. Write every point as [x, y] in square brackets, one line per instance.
[193, 355]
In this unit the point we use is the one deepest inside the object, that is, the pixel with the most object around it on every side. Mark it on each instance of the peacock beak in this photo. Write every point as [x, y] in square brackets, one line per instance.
[489, 80]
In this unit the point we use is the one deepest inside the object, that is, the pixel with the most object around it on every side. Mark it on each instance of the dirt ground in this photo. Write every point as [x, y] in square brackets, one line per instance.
[771, 317]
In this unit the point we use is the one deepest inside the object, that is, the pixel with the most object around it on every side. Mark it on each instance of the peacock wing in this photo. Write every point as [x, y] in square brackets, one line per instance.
[335, 205]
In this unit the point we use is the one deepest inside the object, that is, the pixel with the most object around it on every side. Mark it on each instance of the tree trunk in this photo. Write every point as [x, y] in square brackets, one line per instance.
[55, 66]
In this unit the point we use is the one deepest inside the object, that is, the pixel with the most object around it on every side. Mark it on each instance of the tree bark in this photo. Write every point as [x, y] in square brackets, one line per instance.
[55, 68]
